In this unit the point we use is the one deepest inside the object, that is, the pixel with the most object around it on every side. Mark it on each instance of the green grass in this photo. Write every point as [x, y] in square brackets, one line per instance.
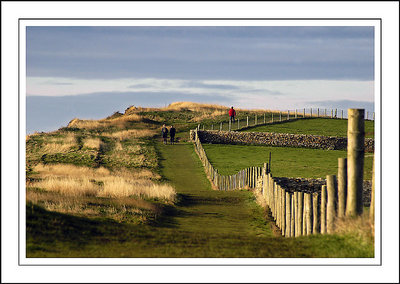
[316, 126]
[204, 223]
[285, 162]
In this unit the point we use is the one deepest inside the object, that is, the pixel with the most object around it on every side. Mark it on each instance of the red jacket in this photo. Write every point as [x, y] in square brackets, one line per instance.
[232, 112]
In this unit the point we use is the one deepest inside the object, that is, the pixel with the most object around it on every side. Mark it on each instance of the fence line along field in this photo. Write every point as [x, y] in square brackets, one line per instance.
[111, 188]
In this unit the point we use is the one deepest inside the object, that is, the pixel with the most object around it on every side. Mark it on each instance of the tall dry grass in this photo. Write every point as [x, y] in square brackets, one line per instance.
[93, 143]
[361, 227]
[131, 133]
[82, 181]
[120, 122]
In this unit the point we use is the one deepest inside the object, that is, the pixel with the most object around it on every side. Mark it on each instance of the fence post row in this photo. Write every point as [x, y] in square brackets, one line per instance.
[300, 213]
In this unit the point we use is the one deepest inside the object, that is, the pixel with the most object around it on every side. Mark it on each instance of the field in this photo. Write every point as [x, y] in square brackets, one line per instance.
[315, 126]
[110, 188]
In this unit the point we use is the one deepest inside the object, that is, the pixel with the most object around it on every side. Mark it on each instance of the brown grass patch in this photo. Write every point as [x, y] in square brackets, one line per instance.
[131, 133]
[93, 143]
[71, 180]
[120, 122]
[360, 226]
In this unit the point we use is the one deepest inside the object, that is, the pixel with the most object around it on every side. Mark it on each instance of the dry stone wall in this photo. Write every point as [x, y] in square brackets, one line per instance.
[278, 139]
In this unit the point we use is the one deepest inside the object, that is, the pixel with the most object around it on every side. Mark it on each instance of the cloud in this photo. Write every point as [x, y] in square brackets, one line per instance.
[201, 53]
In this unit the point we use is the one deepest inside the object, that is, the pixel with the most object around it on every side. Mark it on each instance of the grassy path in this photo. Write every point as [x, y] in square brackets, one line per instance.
[204, 210]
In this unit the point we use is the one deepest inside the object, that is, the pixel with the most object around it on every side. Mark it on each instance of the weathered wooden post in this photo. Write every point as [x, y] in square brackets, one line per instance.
[238, 124]
[288, 115]
[355, 162]
[323, 210]
[220, 127]
[342, 186]
[247, 121]
[342, 114]
[304, 231]
[264, 118]
[255, 119]
[272, 117]
[331, 185]
[331, 113]
[366, 118]
[310, 112]
[292, 215]
[336, 113]
[325, 113]
[283, 211]
[300, 200]
[295, 113]
[296, 213]
[309, 213]
[212, 126]
[373, 116]
[230, 125]
[317, 112]
[304, 113]
[372, 204]
[287, 214]
[203, 127]
[280, 116]
[315, 198]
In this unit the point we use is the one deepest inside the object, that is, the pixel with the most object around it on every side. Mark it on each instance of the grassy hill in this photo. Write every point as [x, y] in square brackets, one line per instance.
[110, 188]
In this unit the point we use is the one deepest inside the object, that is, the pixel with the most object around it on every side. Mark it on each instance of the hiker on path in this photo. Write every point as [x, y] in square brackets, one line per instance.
[232, 114]
[164, 132]
[172, 131]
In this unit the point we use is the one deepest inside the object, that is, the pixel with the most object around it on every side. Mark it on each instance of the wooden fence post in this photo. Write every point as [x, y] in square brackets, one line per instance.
[238, 124]
[295, 113]
[280, 116]
[310, 112]
[309, 213]
[342, 186]
[317, 112]
[304, 113]
[372, 204]
[212, 126]
[287, 214]
[292, 215]
[296, 213]
[323, 210]
[283, 211]
[230, 125]
[264, 118]
[331, 185]
[255, 119]
[272, 117]
[342, 114]
[325, 113]
[288, 115]
[220, 127]
[300, 200]
[304, 231]
[247, 121]
[355, 162]
[316, 211]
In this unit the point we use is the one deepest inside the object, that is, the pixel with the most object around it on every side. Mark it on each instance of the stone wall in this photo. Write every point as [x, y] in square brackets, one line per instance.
[278, 139]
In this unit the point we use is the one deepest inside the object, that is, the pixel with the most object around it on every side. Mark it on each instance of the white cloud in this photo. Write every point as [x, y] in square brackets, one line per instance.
[279, 94]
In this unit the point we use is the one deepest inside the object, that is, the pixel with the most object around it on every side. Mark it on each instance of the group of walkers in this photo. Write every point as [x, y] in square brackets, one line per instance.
[172, 130]
[164, 133]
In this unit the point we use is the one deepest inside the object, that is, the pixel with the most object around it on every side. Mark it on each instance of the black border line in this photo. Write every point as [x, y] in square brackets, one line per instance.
[211, 19]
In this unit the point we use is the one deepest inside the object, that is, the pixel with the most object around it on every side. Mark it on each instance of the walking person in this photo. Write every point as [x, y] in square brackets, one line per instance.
[164, 133]
[172, 131]
[232, 114]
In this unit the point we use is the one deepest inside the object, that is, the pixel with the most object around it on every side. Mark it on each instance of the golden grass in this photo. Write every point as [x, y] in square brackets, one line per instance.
[120, 122]
[93, 143]
[361, 227]
[83, 181]
[132, 133]
[194, 106]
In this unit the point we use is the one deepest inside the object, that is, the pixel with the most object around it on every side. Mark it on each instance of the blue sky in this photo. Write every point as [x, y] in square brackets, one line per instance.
[248, 67]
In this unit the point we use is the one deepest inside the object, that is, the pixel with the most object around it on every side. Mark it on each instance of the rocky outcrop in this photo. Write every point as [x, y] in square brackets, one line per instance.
[278, 139]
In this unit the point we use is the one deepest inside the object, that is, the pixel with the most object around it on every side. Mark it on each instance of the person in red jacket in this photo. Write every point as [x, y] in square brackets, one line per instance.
[232, 114]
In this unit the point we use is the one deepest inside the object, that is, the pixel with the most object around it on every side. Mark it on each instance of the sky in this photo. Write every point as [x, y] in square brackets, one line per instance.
[90, 72]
